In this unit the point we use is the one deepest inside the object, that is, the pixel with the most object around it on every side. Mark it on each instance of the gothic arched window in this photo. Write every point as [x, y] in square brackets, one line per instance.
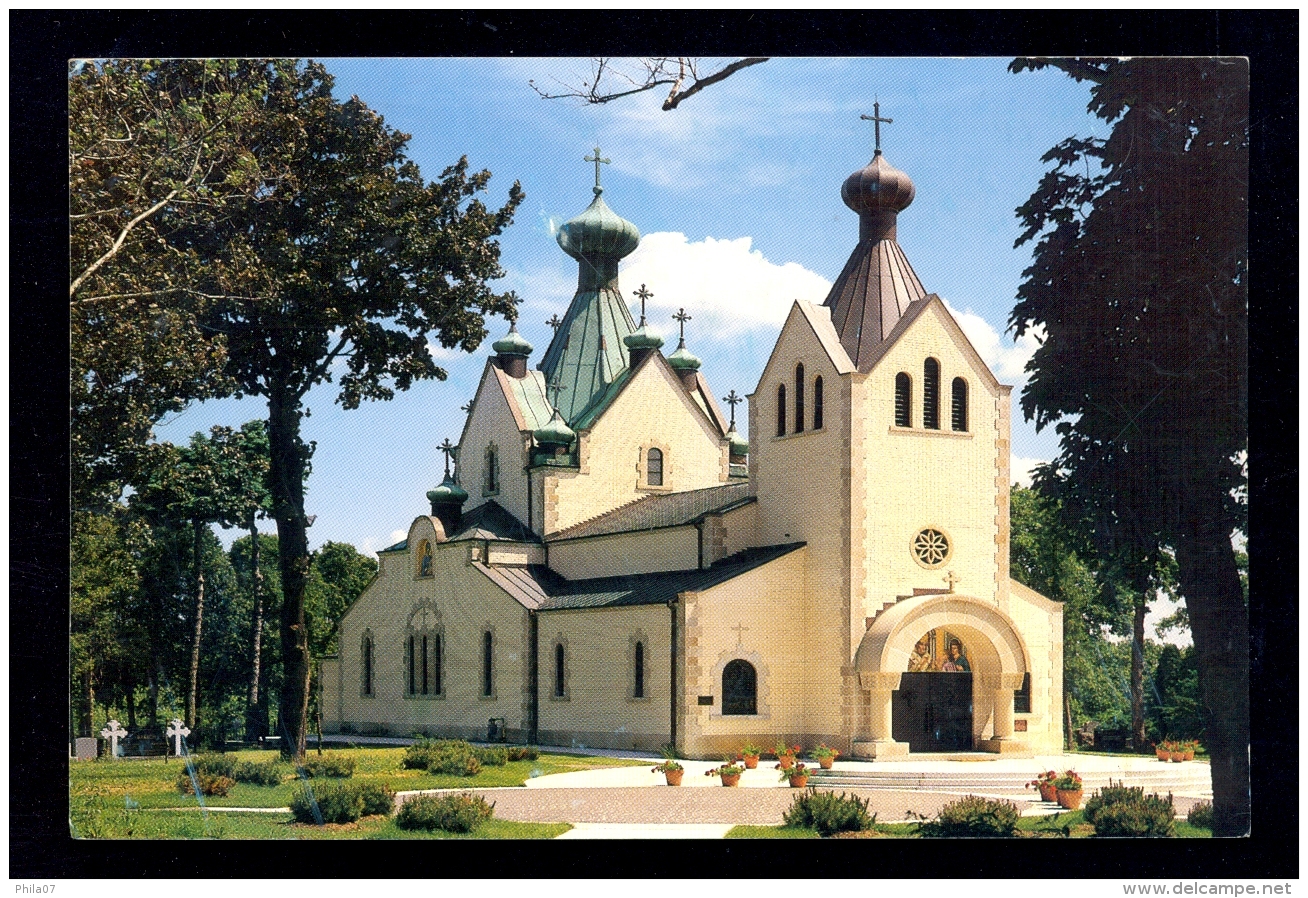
[817, 403]
[366, 651]
[931, 394]
[739, 688]
[903, 400]
[638, 672]
[959, 417]
[487, 668]
[436, 663]
[654, 467]
[799, 397]
[781, 410]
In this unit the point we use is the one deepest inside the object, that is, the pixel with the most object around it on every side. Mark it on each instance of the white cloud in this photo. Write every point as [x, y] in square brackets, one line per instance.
[370, 544]
[1019, 469]
[1007, 358]
[727, 286]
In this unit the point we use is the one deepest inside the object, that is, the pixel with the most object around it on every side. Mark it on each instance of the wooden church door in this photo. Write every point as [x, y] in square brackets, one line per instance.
[933, 711]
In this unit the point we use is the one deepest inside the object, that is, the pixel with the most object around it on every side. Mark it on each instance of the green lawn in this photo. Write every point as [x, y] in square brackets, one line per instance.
[771, 832]
[121, 798]
[1070, 825]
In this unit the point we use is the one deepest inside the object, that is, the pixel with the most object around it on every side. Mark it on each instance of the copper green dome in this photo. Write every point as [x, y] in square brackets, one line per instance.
[739, 445]
[554, 433]
[448, 493]
[683, 359]
[513, 343]
[598, 231]
[644, 338]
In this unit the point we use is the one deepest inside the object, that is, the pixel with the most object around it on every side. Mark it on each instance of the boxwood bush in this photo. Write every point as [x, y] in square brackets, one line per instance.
[1201, 815]
[454, 813]
[214, 764]
[259, 773]
[491, 757]
[974, 817]
[522, 753]
[330, 764]
[341, 802]
[209, 784]
[1119, 810]
[828, 813]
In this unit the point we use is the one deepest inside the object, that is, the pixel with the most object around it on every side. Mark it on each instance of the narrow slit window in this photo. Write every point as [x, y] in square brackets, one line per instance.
[799, 397]
[411, 666]
[903, 400]
[638, 673]
[931, 394]
[367, 664]
[654, 467]
[817, 403]
[559, 659]
[487, 670]
[781, 410]
[425, 680]
[436, 664]
[959, 417]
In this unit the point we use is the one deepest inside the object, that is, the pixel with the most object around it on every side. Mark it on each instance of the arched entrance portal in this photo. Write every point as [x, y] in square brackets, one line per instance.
[938, 674]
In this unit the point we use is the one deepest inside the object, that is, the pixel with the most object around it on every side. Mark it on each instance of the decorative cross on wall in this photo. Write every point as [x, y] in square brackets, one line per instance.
[740, 629]
[951, 578]
[555, 322]
[113, 732]
[448, 448]
[643, 294]
[681, 318]
[597, 159]
[733, 400]
[177, 731]
[876, 119]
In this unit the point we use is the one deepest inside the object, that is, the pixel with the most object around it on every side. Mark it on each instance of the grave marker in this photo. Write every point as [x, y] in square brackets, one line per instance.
[177, 730]
[113, 732]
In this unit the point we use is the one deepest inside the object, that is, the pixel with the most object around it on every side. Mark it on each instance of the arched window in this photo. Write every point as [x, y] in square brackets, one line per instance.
[487, 668]
[638, 672]
[560, 689]
[412, 665]
[739, 688]
[799, 397]
[781, 410]
[817, 402]
[931, 394]
[903, 400]
[366, 648]
[959, 417]
[654, 467]
[492, 484]
[436, 664]
[424, 559]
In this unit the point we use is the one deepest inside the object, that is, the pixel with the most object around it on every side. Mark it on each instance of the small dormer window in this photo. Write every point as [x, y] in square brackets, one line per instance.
[654, 467]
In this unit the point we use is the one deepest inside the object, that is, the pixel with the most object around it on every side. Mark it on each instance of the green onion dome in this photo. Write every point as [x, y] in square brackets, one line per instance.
[644, 338]
[554, 433]
[448, 493]
[513, 343]
[682, 359]
[598, 231]
[739, 445]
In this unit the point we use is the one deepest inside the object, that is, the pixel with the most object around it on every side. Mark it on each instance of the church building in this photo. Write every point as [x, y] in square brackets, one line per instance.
[609, 563]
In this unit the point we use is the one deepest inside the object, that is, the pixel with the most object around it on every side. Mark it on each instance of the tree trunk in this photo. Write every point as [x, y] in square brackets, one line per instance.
[86, 714]
[1137, 673]
[1219, 622]
[288, 457]
[1068, 739]
[152, 693]
[254, 725]
[197, 560]
[131, 705]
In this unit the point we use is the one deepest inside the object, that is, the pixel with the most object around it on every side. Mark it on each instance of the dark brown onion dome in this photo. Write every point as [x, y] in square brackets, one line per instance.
[877, 192]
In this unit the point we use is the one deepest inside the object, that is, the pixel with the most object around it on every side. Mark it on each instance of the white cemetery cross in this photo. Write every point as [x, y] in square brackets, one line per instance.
[113, 732]
[177, 731]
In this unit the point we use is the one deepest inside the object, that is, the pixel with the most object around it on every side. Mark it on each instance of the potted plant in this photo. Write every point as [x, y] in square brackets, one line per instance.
[786, 754]
[1044, 783]
[729, 772]
[797, 774]
[749, 754]
[826, 755]
[1163, 751]
[671, 770]
[1187, 748]
[1068, 787]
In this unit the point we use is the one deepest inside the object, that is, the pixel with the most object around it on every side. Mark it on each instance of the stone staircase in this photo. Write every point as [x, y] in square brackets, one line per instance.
[917, 591]
[1188, 779]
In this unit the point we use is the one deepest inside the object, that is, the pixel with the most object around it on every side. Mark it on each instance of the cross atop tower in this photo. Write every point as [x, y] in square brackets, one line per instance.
[597, 159]
[733, 400]
[875, 118]
[681, 318]
[448, 448]
[643, 295]
[555, 388]
[555, 322]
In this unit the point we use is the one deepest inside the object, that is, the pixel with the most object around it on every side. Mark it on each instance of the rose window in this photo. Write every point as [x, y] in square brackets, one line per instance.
[931, 547]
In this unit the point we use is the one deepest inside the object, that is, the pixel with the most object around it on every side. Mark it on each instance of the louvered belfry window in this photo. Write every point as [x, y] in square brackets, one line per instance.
[959, 417]
[903, 400]
[931, 394]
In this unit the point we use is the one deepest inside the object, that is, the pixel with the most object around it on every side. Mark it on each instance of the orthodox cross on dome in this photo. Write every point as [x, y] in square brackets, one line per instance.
[740, 628]
[733, 400]
[876, 119]
[951, 579]
[555, 322]
[643, 294]
[448, 448]
[597, 159]
[681, 318]
[556, 388]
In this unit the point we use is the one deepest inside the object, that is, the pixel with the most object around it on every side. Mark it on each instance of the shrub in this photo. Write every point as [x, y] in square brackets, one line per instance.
[377, 798]
[209, 784]
[329, 764]
[461, 813]
[258, 773]
[455, 762]
[1119, 810]
[828, 813]
[420, 754]
[492, 757]
[1201, 815]
[522, 753]
[336, 802]
[973, 816]
[215, 765]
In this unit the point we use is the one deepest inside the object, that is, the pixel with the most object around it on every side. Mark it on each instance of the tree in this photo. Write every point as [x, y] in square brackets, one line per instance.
[611, 80]
[343, 268]
[338, 575]
[1138, 281]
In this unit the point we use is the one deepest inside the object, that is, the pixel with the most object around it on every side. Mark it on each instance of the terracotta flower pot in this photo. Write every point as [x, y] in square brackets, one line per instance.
[751, 761]
[826, 762]
[799, 782]
[730, 779]
[786, 761]
[1069, 798]
[1047, 791]
[674, 776]
[1188, 755]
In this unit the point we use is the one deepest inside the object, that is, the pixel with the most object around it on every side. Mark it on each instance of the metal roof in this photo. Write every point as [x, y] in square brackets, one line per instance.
[491, 521]
[667, 510]
[870, 296]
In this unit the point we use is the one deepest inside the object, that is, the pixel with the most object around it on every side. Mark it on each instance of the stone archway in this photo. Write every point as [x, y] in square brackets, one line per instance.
[997, 656]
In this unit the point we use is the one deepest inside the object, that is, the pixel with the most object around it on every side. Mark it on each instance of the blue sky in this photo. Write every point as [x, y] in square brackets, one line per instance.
[737, 194]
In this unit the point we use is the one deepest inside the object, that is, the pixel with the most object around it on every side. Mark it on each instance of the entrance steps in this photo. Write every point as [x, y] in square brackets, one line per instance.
[1190, 779]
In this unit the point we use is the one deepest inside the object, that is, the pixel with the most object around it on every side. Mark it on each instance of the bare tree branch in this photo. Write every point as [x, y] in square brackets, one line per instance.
[659, 71]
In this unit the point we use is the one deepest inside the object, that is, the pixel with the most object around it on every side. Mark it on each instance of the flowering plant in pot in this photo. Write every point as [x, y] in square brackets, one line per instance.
[797, 774]
[1044, 783]
[786, 753]
[1187, 748]
[729, 772]
[1069, 790]
[749, 754]
[671, 770]
[825, 754]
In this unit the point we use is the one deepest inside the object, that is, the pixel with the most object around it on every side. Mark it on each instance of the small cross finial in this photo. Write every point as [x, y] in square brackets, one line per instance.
[448, 448]
[556, 388]
[681, 318]
[733, 400]
[555, 322]
[876, 119]
[466, 407]
[643, 294]
[951, 578]
[597, 159]
[740, 629]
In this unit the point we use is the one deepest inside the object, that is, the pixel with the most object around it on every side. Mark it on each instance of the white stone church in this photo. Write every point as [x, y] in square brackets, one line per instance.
[613, 565]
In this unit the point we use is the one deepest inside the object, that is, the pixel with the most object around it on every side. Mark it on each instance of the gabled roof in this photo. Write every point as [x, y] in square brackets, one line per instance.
[536, 587]
[490, 521]
[669, 510]
[915, 312]
[707, 406]
[819, 323]
[401, 546]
